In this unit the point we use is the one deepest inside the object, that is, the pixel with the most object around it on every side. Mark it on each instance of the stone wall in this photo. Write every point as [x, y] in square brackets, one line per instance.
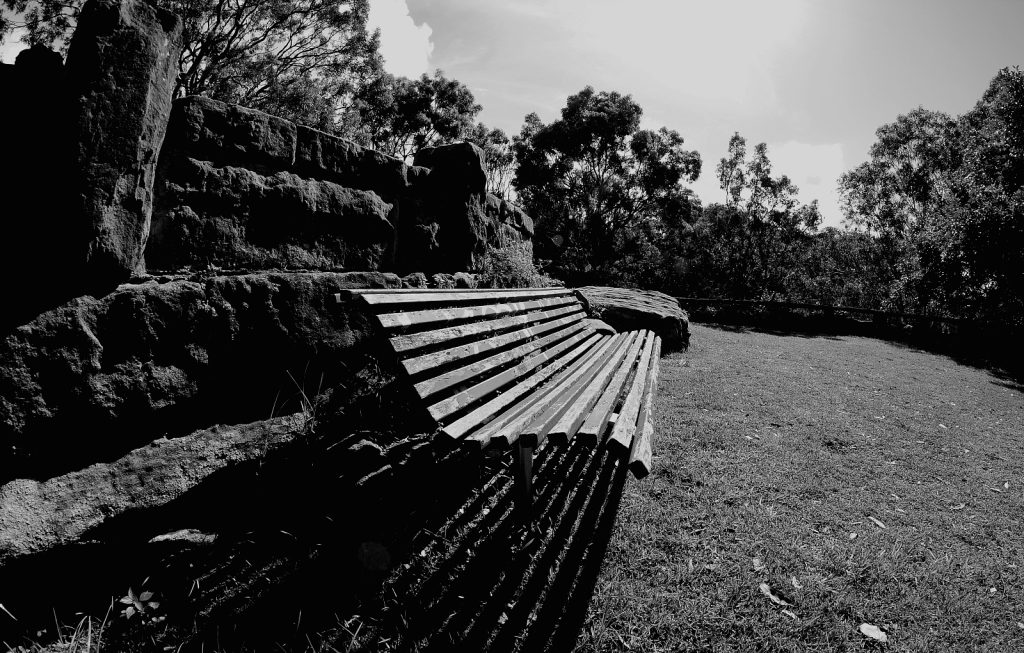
[237, 189]
[116, 181]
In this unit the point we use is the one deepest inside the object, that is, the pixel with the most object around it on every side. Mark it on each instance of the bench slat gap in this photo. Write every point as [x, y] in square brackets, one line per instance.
[433, 360]
[579, 342]
[536, 432]
[513, 426]
[466, 374]
[570, 422]
[450, 315]
[410, 342]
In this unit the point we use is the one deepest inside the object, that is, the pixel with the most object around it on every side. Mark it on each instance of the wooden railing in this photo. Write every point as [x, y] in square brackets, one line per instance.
[826, 309]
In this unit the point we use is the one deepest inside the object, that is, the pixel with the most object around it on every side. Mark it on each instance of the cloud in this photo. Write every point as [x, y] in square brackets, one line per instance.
[815, 169]
[705, 53]
[12, 45]
[405, 46]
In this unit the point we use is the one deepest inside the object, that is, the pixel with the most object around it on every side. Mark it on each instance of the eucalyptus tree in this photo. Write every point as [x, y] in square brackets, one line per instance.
[301, 59]
[596, 183]
[400, 116]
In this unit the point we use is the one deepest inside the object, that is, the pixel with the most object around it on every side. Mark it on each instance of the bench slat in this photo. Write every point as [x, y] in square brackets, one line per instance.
[570, 422]
[448, 315]
[433, 385]
[529, 400]
[481, 414]
[595, 423]
[442, 297]
[419, 364]
[560, 307]
[640, 454]
[537, 431]
[511, 427]
[470, 395]
[625, 427]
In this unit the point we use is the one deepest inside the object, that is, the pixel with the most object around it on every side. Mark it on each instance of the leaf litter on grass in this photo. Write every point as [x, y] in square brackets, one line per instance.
[815, 488]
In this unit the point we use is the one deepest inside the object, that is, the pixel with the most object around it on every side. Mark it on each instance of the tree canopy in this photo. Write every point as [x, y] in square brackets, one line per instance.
[499, 156]
[753, 246]
[400, 116]
[944, 197]
[300, 59]
[593, 178]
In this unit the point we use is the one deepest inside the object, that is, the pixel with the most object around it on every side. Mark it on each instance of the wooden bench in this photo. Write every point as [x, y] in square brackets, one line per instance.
[520, 368]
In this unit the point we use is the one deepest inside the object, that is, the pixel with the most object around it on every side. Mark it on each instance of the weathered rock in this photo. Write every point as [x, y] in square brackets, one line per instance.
[600, 326]
[323, 156]
[442, 280]
[38, 226]
[442, 219]
[414, 280]
[230, 135]
[40, 60]
[97, 377]
[235, 218]
[36, 516]
[518, 226]
[627, 309]
[450, 209]
[458, 166]
[121, 68]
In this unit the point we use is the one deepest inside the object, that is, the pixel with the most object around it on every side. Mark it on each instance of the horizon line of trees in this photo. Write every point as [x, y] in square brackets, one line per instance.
[934, 219]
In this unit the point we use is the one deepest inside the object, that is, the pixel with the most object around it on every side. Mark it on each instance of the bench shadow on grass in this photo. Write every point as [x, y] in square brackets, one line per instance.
[450, 566]
[524, 589]
[465, 571]
[493, 583]
[996, 353]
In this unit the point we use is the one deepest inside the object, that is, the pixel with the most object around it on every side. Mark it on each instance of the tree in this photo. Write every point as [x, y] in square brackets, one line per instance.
[499, 157]
[944, 199]
[400, 116]
[896, 196]
[300, 59]
[981, 228]
[896, 190]
[751, 246]
[731, 177]
[594, 181]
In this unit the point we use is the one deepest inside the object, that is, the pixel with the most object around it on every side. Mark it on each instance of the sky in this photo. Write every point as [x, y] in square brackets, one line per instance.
[813, 79]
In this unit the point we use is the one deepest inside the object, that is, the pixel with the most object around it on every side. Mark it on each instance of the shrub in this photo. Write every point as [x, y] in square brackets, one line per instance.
[512, 266]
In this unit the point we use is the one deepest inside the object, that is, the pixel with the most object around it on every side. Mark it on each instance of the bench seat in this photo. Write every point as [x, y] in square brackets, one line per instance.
[521, 367]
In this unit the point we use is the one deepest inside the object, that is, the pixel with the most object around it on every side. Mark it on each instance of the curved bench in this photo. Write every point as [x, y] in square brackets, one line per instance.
[520, 368]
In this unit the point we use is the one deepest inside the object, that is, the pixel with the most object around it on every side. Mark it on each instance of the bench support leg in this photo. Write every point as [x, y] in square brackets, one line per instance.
[524, 480]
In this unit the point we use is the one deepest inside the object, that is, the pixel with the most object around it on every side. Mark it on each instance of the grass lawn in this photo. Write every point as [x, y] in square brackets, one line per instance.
[862, 481]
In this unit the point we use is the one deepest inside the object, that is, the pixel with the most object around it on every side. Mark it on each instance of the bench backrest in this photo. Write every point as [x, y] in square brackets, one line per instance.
[472, 353]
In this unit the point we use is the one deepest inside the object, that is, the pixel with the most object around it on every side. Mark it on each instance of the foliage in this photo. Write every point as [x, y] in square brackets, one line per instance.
[944, 199]
[139, 604]
[754, 245]
[400, 116]
[499, 157]
[511, 266]
[593, 179]
[300, 59]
